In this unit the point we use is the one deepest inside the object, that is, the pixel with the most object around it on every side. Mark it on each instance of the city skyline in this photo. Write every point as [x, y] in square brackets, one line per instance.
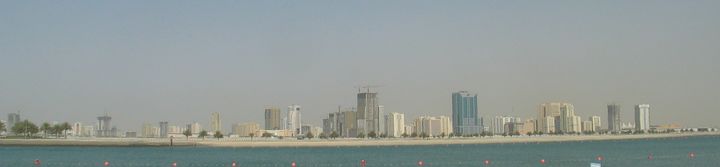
[168, 61]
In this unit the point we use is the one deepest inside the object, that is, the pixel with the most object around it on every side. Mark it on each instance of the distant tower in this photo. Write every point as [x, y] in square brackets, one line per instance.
[13, 118]
[294, 122]
[164, 129]
[465, 113]
[614, 123]
[642, 117]
[368, 116]
[273, 120]
[104, 128]
[215, 123]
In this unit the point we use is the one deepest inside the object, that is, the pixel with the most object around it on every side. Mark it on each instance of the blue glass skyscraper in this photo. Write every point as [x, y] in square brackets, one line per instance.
[465, 118]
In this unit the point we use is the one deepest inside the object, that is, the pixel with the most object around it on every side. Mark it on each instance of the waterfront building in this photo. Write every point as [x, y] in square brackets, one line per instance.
[13, 118]
[465, 113]
[433, 126]
[614, 122]
[294, 119]
[596, 123]
[529, 126]
[554, 111]
[246, 128]
[76, 129]
[395, 123]
[195, 128]
[498, 124]
[163, 129]
[215, 124]
[104, 127]
[381, 120]
[368, 116]
[148, 130]
[588, 126]
[642, 117]
[343, 122]
[273, 120]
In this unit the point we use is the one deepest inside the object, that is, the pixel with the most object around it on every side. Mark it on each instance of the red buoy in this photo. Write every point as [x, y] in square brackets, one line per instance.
[174, 164]
[486, 162]
[650, 156]
[421, 163]
[36, 162]
[234, 164]
[691, 155]
[106, 163]
[293, 164]
[599, 158]
[363, 163]
[542, 161]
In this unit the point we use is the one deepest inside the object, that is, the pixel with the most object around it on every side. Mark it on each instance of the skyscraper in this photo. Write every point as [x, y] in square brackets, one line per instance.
[368, 116]
[395, 123]
[215, 123]
[13, 118]
[614, 123]
[464, 113]
[381, 120]
[163, 129]
[273, 120]
[498, 124]
[293, 119]
[104, 128]
[596, 123]
[642, 117]
[433, 126]
[554, 117]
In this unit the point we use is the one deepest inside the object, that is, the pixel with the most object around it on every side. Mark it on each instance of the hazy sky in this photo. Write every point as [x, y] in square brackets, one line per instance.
[147, 61]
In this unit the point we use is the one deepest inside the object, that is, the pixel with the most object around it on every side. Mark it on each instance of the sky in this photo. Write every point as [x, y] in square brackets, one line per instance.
[178, 61]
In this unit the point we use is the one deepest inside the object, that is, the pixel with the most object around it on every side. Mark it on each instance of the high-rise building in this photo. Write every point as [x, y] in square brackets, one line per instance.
[293, 119]
[148, 130]
[596, 123]
[614, 122]
[104, 129]
[246, 129]
[546, 110]
[567, 118]
[381, 120]
[587, 126]
[642, 117]
[195, 128]
[77, 129]
[465, 113]
[273, 119]
[499, 124]
[13, 118]
[163, 129]
[395, 123]
[368, 117]
[433, 126]
[215, 123]
[344, 122]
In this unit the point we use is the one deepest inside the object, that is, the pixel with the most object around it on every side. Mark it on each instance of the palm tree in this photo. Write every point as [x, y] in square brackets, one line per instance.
[57, 129]
[2, 127]
[45, 127]
[309, 135]
[251, 136]
[66, 127]
[372, 134]
[404, 135]
[267, 135]
[187, 134]
[26, 128]
[203, 134]
[361, 135]
[218, 135]
[334, 135]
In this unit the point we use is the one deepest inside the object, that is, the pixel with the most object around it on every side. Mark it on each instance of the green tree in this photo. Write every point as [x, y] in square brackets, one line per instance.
[323, 136]
[361, 135]
[267, 135]
[414, 134]
[25, 128]
[66, 127]
[251, 136]
[203, 134]
[2, 127]
[57, 130]
[217, 135]
[442, 135]
[334, 135]
[45, 128]
[424, 135]
[187, 134]
[372, 134]
[404, 135]
[451, 135]
[309, 135]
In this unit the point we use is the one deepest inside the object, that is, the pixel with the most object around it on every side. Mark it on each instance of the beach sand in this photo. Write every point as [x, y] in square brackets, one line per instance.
[263, 142]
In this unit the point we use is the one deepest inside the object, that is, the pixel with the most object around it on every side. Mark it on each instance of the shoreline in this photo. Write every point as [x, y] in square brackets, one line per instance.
[341, 142]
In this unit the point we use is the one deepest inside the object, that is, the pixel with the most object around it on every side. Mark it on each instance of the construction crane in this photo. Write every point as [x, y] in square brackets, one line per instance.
[367, 88]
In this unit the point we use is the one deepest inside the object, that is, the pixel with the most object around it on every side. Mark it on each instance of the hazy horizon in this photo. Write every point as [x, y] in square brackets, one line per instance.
[179, 61]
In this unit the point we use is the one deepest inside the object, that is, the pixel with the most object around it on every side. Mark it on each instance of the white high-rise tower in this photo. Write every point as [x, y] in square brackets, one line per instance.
[642, 117]
[293, 119]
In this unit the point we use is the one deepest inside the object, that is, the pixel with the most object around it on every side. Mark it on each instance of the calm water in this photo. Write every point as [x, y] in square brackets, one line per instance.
[666, 152]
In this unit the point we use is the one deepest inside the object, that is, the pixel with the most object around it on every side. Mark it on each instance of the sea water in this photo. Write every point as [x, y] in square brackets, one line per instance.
[617, 153]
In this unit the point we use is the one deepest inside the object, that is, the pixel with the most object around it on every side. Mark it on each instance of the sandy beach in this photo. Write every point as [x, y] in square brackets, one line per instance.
[263, 142]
